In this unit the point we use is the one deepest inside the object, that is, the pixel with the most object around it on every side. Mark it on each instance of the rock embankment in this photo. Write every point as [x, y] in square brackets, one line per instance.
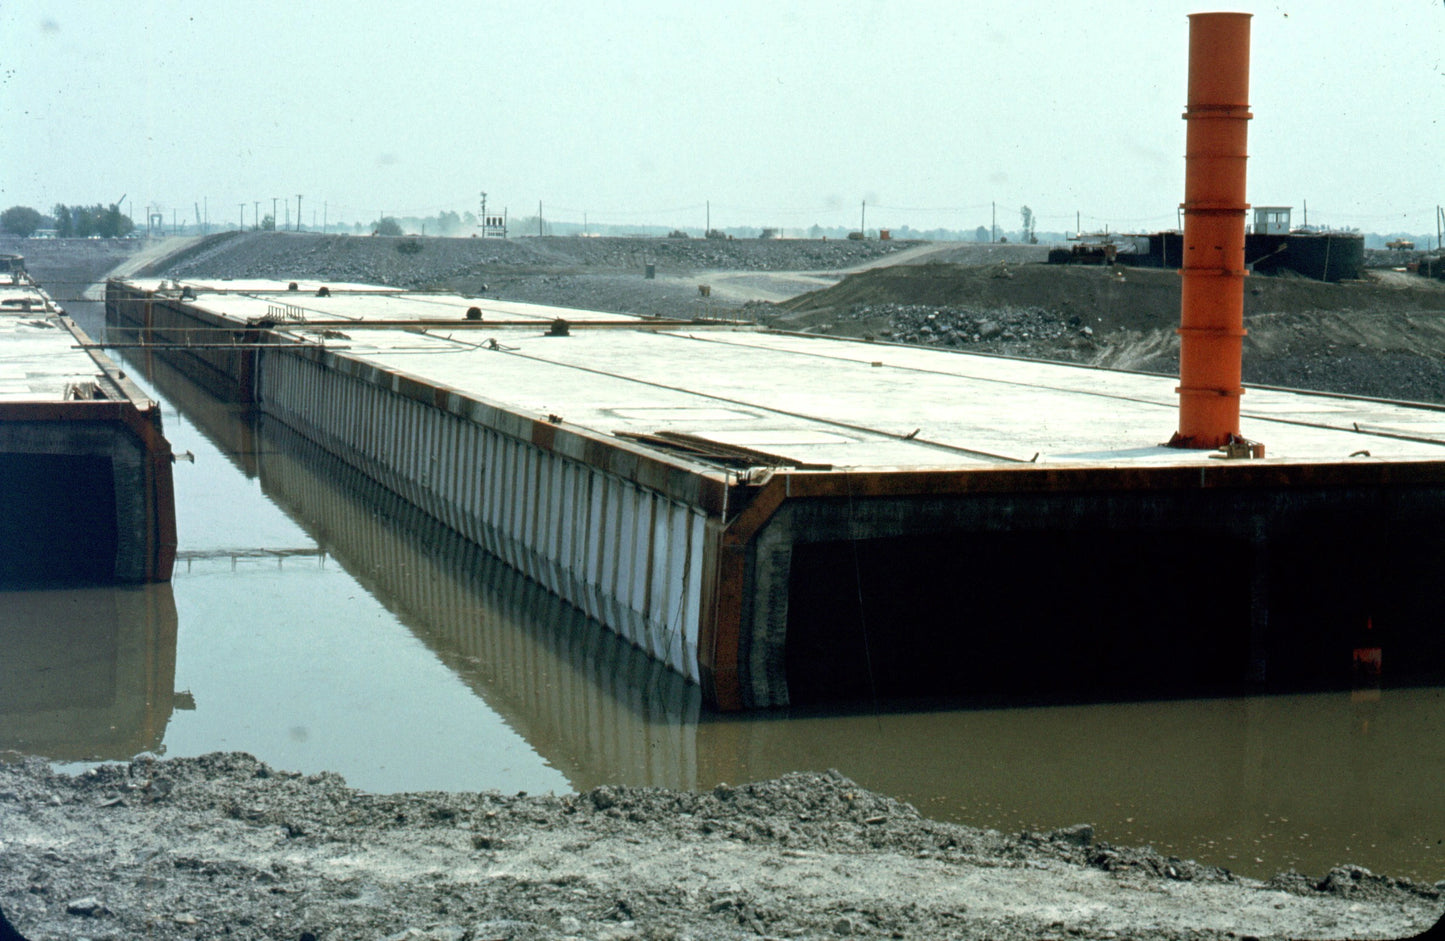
[224, 846]
[1001, 329]
[1383, 336]
[426, 262]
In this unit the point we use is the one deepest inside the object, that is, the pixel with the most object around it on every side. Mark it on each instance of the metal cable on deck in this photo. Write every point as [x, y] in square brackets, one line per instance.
[939, 372]
[863, 429]
[1253, 416]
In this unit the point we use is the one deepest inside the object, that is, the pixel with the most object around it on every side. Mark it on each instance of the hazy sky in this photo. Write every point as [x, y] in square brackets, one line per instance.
[779, 112]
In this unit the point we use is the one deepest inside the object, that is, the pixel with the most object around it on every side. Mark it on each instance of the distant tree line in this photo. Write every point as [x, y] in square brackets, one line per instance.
[110, 222]
[79, 222]
[22, 221]
[443, 223]
[69, 222]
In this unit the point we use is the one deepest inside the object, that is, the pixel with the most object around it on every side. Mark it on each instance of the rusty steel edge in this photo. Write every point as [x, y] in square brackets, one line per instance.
[720, 635]
[144, 425]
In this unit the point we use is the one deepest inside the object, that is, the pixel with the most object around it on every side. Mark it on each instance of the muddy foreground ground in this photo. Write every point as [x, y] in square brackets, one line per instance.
[224, 846]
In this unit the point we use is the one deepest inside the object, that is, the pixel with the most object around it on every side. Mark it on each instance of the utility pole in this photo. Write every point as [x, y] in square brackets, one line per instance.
[274, 200]
[1077, 224]
[173, 220]
[298, 212]
[863, 220]
[255, 215]
[243, 216]
[993, 222]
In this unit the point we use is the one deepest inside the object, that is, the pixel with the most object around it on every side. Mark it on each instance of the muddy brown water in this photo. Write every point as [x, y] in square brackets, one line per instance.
[319, 624]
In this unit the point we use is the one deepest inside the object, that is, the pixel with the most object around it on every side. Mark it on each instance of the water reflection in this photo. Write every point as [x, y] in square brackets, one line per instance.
[1255, 784]
[591, 704]
[87, 673]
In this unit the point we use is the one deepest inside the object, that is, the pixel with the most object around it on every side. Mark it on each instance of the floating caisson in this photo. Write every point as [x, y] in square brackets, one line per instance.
[785, 518]
[84, 467]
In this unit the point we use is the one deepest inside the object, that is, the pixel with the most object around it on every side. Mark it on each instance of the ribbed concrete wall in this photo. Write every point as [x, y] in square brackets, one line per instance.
[629, 556]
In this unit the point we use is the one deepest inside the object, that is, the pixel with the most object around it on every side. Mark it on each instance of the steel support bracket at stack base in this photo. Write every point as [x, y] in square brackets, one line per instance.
[1211, 330]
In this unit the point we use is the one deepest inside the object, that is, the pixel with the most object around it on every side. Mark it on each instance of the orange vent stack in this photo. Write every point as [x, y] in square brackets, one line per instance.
[1211, 330]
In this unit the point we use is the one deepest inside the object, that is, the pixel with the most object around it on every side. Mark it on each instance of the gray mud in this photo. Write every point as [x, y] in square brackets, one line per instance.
[224, 846]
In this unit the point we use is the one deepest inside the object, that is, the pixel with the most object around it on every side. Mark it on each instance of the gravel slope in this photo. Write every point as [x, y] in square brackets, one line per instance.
[589, 273]
[423, 262]
[1383, 336]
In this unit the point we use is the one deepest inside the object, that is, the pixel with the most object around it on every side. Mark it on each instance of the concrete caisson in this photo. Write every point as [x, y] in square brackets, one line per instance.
[86, 470]
[783, 518]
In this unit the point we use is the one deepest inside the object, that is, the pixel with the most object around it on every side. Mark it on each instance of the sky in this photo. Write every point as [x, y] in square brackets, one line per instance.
[773, 113]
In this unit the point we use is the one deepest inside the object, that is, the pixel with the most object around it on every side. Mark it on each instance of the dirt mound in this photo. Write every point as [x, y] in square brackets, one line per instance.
[1383, 336]
[424, 262]
[194, 254]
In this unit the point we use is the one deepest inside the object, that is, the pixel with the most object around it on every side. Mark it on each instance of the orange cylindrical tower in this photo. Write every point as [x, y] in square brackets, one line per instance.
[1211, 329]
